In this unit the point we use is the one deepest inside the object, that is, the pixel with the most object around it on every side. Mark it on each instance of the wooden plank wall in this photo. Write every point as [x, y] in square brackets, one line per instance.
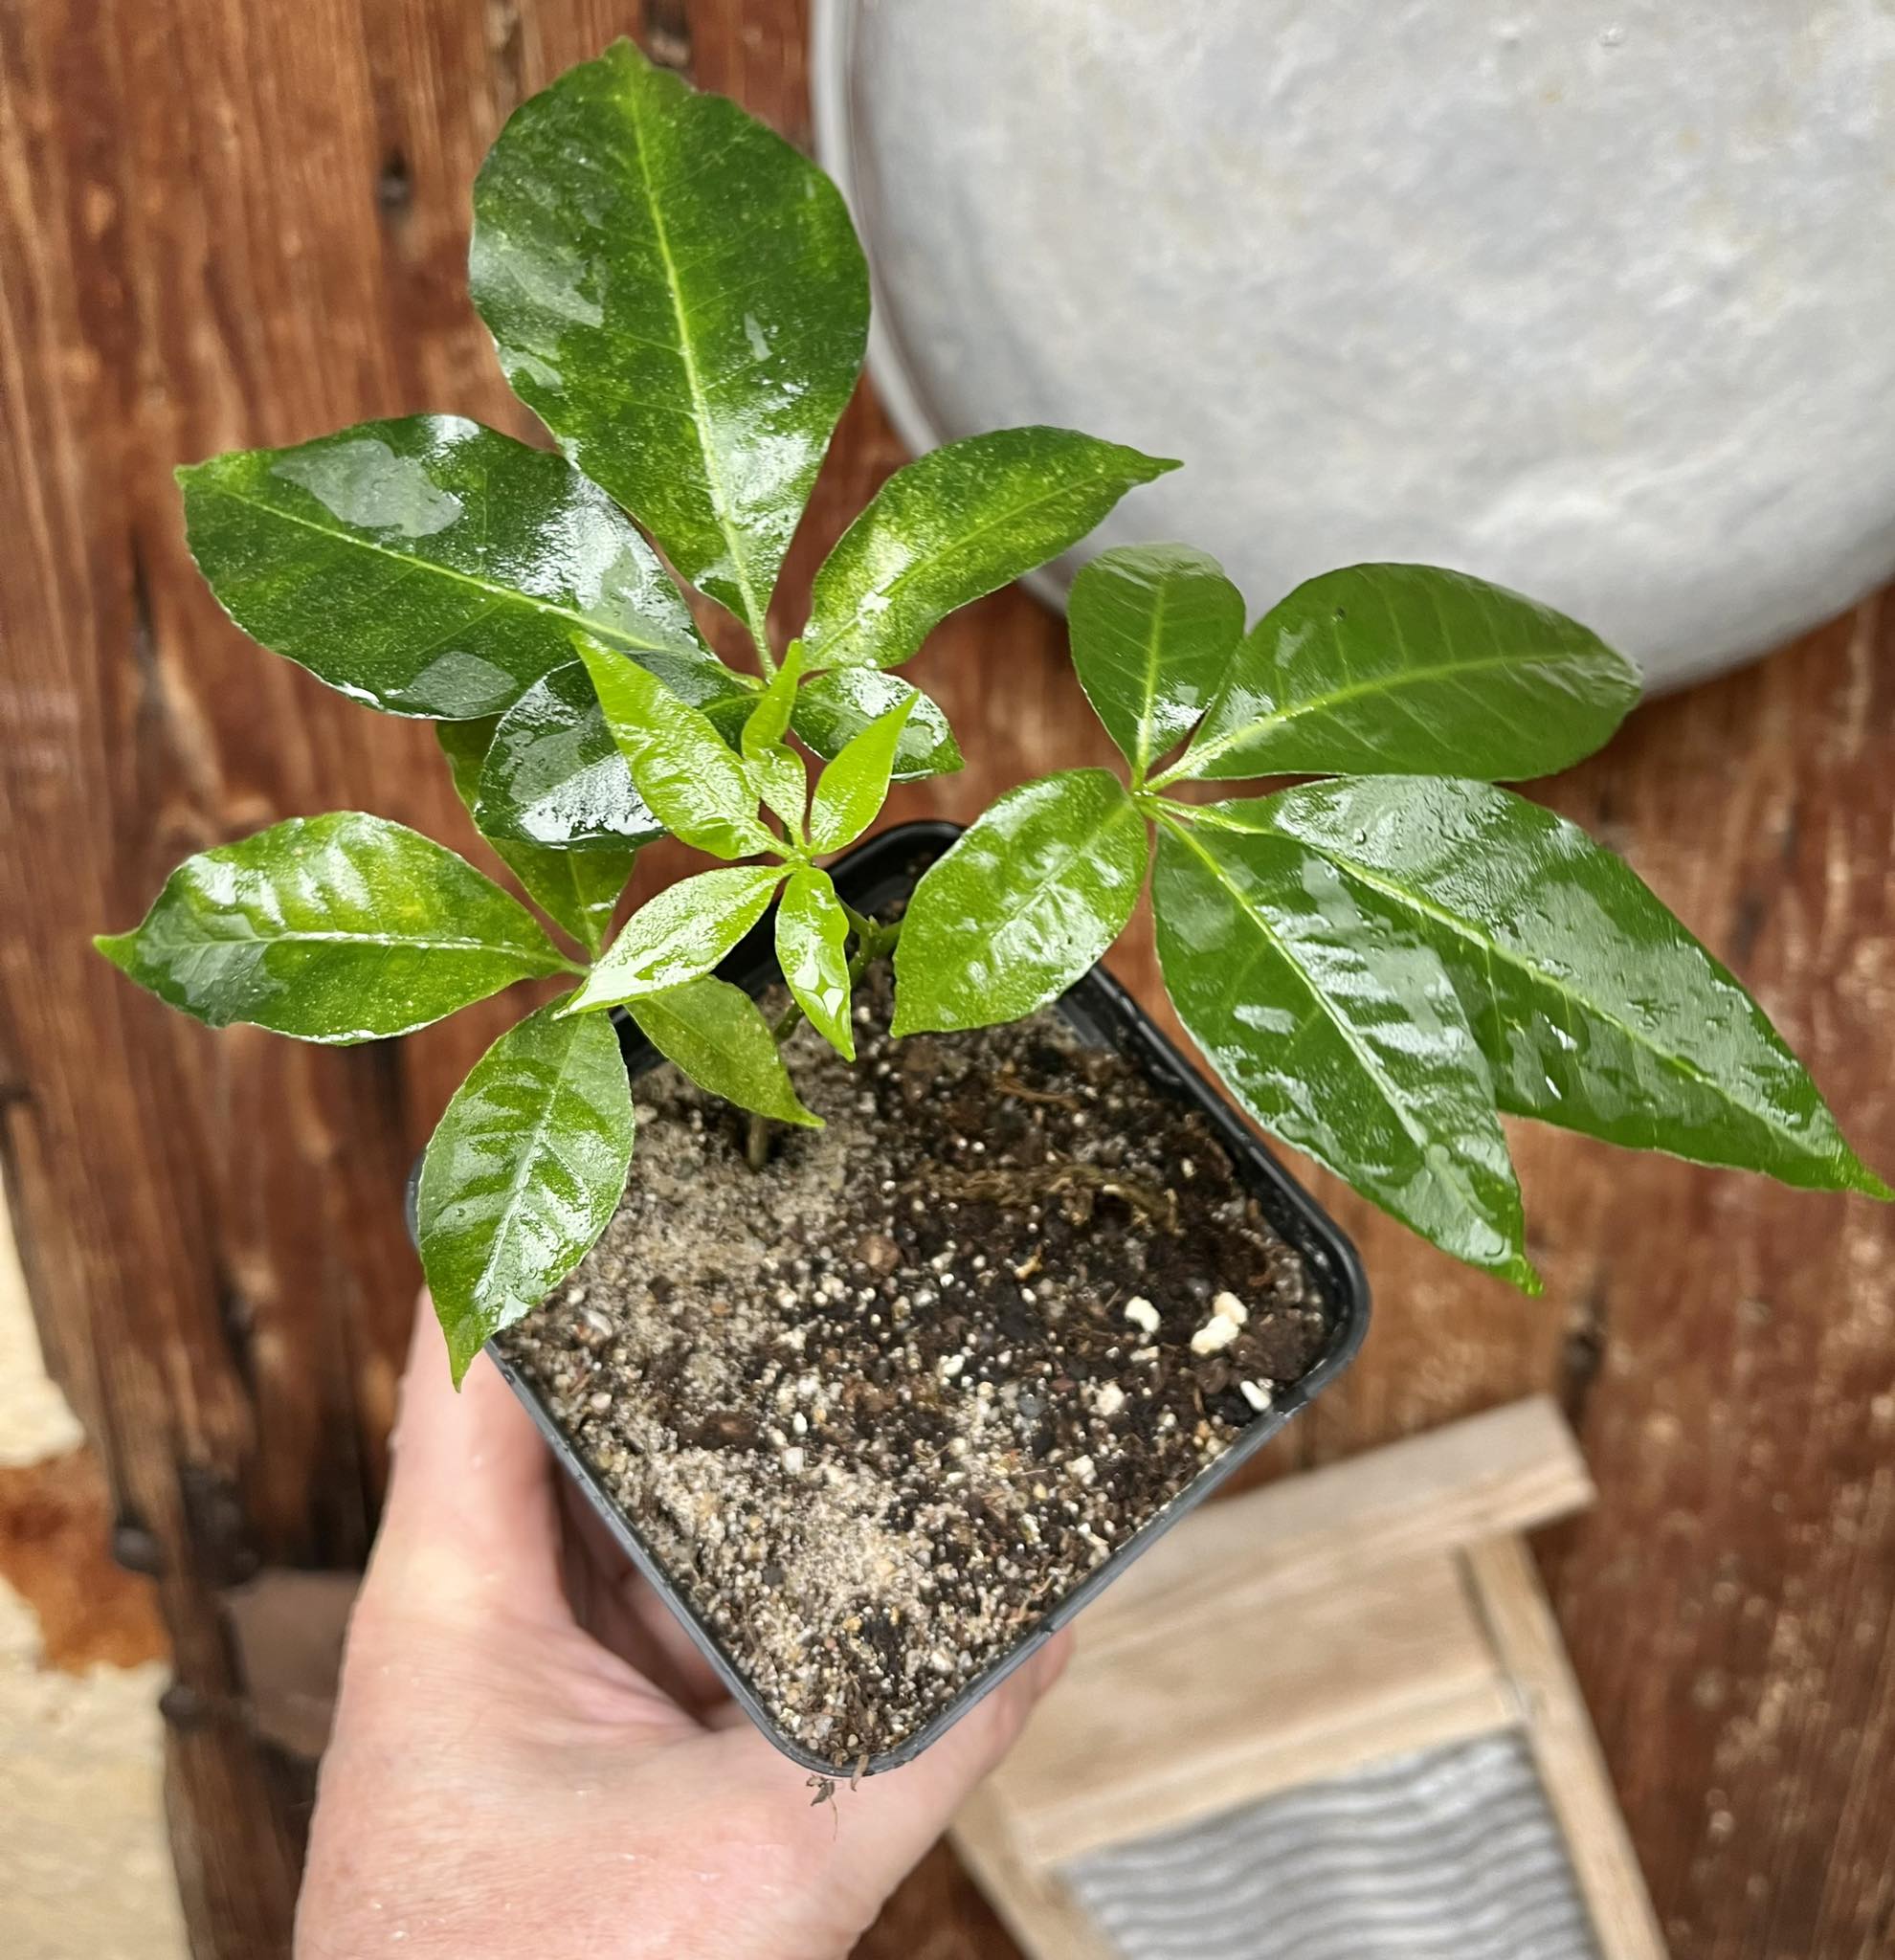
[229, 222]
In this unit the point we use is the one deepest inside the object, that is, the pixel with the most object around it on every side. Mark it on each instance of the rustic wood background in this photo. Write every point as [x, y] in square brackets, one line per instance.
[229, 222]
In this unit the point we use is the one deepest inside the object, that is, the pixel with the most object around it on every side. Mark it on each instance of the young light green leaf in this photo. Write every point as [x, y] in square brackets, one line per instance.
[768, 719]
[812, 950]
[552, 775]
[958, 522]
[523, 1173]
[1152, 629]
[1022, 905]
[681, 297]
[678, 935]
[1594, 1006]
[834, 708]
[1339, 1034]
[684, 769]
[714, 1032]
[854, 785]
[335, 929]
[576, 889]
[1400, 669]
[777, 771]
[432, 567]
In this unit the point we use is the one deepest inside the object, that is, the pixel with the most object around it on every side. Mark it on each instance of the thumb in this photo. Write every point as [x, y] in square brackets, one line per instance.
[885, 1824]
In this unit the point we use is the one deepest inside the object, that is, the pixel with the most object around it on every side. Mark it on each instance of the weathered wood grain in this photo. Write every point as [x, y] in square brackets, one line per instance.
[240, 221]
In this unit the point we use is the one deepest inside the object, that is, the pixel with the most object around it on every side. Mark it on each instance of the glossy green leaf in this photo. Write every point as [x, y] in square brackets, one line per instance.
[523, 1173]
[1338, 1033]
[684, 770]
[768, 719]
[1400, 669]
[1022, 905]
[432, 567]
[960, 522]
[680, 296]
[777, 771]
[553, 776]
[1152, 629]
[715, 1033]
[681, 934]
[333, 929]
[577, 890]
[854, 785]
[834, 708]
[812, 950]
[1596, 1009]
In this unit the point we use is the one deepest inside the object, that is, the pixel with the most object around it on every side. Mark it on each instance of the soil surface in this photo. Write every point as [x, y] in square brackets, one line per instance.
[880, 1407]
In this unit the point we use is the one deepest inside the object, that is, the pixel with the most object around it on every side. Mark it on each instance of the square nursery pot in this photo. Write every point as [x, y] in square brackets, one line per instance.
[877, 873]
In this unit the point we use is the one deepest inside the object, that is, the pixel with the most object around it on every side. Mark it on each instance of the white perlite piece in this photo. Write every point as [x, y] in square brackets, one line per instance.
[1142, 1314]
[793, 1461]
[1256, 1394]
[1230, 1308]
[1108, 1399]
[1218, 1331]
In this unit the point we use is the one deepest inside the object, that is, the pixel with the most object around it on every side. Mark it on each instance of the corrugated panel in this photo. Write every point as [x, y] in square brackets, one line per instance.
[1450, 1854]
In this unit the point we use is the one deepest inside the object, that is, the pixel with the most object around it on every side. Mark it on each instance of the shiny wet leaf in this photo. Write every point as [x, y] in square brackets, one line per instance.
[577, 890]
[1399, 669]
[679, 295]
[1338, 1033]
[716, 1034]
[958, 522]
[1596, 1008]
[430, 566]
[681, 934]
[854, 785]
[813, 955]
[553, 776]
[1153, 627]
[337, 929]
[1022, 905]
[833, 708]
[684, 772]
[523, 1173]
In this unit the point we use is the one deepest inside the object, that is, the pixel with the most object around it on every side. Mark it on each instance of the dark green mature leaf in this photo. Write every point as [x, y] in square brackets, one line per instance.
[681, 297]
[577, 890]
[333, 929]
[684, 770]
[1152, 626]
[1338, 1033]
[812, 950]
[1022, 905]
[1399, 669]
[960, 522]
[523, 1173]
[432, 567]
[680, 935]
[834, 708]
[854, 785]
[552, 775]
[1594, 1006]
[714, 1031]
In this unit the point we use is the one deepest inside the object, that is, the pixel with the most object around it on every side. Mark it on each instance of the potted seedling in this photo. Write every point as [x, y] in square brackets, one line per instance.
[942, 1282]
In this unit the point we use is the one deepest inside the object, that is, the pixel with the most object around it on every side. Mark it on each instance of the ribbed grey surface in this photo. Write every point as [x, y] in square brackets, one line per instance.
[1451, 1853]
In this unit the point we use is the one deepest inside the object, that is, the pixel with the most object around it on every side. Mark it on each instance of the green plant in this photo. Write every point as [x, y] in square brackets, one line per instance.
[1375, 963]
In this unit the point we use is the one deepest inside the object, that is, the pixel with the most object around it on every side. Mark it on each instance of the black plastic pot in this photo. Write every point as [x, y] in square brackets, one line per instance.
[1104, 1016]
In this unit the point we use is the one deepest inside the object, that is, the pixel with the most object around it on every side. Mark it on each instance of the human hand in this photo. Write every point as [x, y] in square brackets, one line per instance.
[529, 1757]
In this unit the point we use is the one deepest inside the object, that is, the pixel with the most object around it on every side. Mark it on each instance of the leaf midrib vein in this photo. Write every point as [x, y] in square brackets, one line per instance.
[355, 541]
